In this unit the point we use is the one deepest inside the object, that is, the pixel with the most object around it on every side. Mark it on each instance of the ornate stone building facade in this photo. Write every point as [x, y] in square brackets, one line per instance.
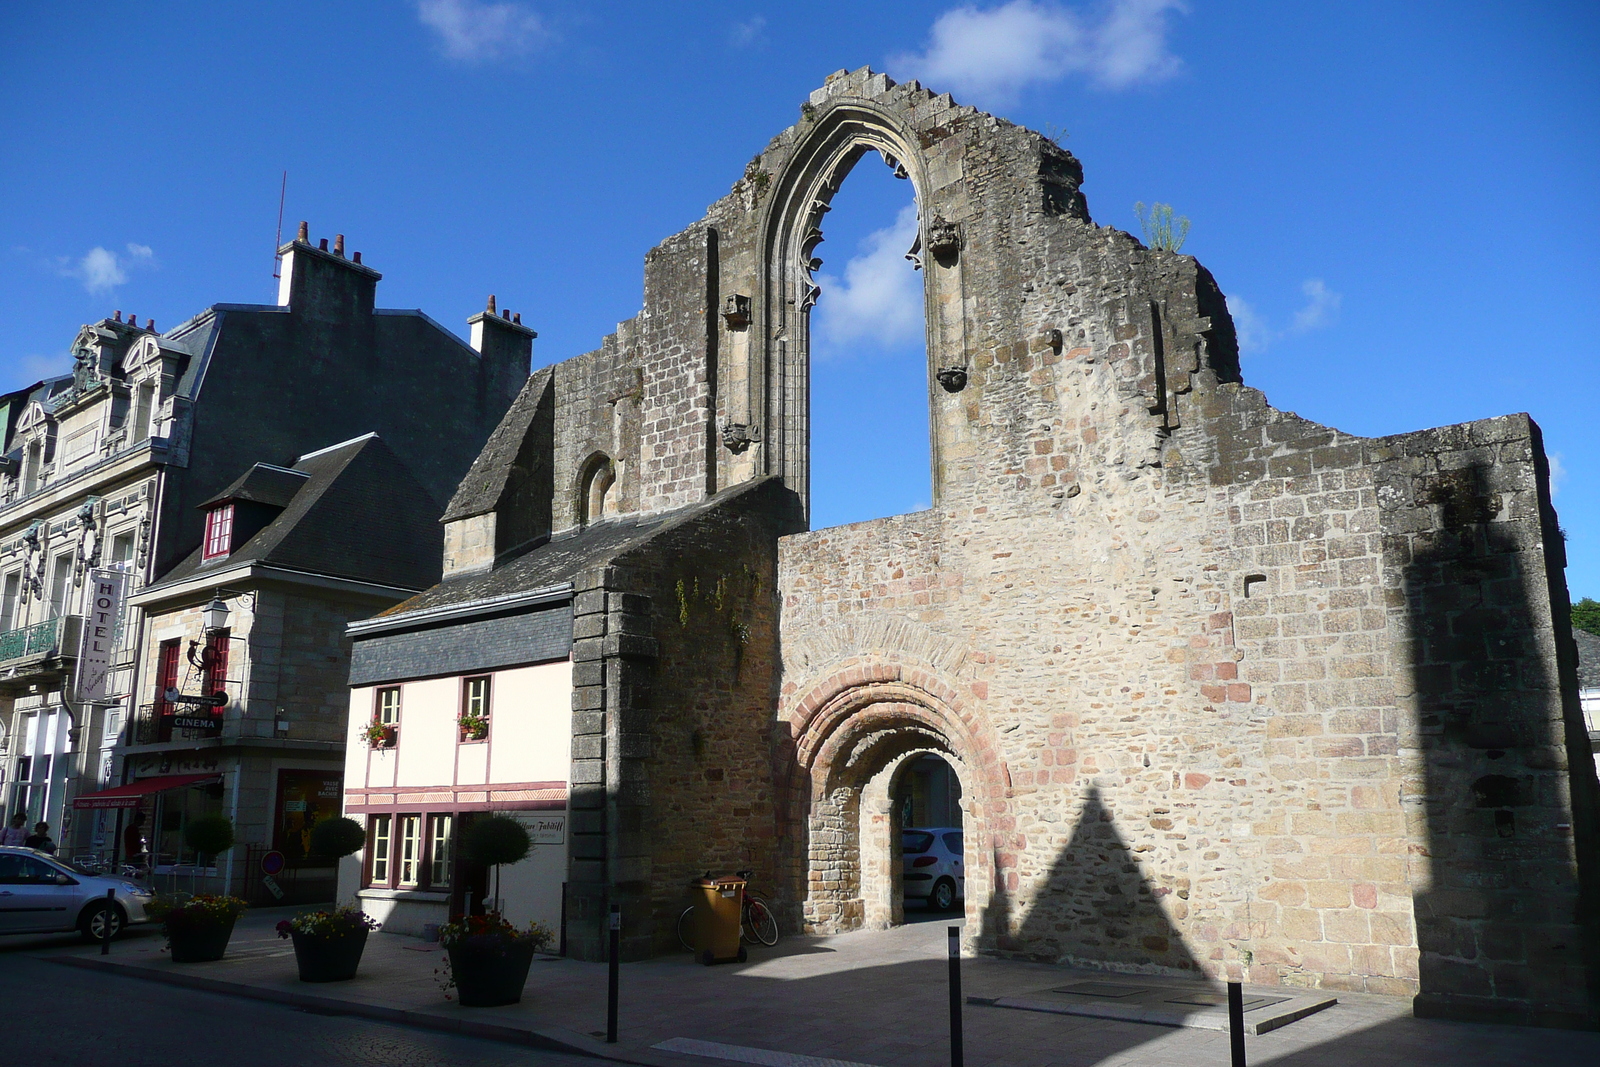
[1226, 690]
[110, 467]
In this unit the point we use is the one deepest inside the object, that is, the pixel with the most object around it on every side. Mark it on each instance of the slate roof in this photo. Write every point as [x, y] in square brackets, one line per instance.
[1588, 659]
[561, 559]
[481, 489]
[565, 556]
[359, 513]
[263, 484]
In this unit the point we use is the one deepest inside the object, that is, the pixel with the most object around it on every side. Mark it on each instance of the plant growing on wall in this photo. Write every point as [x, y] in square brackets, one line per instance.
[1162, 230]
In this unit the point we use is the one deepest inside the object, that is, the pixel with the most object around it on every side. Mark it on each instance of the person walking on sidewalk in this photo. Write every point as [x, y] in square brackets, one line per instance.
[41, 839]
[17, 832]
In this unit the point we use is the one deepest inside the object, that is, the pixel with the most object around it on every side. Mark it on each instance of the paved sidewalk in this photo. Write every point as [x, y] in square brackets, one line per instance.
[877, 997]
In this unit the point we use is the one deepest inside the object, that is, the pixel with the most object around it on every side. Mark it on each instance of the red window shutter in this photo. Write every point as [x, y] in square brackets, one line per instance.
[167, 676]
[217, 659]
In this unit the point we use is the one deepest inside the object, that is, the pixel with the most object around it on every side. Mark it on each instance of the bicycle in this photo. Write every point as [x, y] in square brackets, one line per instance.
[757, 924]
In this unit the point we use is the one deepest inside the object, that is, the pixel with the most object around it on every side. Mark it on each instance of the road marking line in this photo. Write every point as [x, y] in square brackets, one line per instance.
[739, 1054]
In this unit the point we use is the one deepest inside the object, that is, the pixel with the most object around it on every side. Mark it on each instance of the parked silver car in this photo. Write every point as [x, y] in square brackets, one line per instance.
[933, 867]
[42, 894]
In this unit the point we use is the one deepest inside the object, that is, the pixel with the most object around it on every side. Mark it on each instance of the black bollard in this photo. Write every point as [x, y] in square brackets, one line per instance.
[956, 1053]
[105, 930]
[1236, 1022]
[611, 981]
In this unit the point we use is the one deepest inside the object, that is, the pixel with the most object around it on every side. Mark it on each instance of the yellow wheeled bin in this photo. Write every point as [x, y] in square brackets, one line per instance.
[718, 913]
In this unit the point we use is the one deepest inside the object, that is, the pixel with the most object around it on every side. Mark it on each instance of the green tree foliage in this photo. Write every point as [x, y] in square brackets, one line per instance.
[495, 840]
[337, 837]
[1162, 230]
[1586, 615]
[209, 834]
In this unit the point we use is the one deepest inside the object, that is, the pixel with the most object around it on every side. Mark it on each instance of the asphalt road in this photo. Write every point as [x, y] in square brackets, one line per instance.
[58, 1015]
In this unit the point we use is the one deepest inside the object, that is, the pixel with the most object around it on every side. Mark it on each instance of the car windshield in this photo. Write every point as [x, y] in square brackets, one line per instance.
[915, 841]
[954, 842]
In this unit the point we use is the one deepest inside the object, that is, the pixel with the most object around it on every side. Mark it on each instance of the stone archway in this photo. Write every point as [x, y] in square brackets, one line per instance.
[831, 145]
[848, 753]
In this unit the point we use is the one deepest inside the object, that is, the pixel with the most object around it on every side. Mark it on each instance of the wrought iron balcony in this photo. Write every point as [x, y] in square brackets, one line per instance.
[35, 653]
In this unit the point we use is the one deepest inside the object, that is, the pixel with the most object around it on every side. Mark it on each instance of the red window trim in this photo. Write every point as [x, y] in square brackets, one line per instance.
[219, 532]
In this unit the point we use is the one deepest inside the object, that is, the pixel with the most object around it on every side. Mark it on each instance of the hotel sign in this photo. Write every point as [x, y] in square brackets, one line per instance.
[102, 616]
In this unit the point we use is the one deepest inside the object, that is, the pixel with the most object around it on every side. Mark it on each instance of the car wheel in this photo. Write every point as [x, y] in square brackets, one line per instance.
[97, 917]
[943, 897]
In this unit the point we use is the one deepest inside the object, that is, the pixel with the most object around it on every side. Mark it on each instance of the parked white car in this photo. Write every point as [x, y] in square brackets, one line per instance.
[933, 870]
[42, 894]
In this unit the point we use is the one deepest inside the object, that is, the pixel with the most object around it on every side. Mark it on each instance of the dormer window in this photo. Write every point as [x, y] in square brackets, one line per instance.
[219, 532]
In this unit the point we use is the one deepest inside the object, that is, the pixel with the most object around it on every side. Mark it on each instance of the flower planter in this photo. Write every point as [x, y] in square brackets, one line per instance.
[490, 971]
[328, 959]
[199, 942]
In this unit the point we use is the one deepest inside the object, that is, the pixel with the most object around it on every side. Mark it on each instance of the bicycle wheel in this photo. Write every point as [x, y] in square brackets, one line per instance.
[759, 922]
[686, 928]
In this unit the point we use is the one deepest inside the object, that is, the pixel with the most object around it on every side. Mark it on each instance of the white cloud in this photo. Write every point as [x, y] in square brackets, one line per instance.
[747, 33]
[102, 270]
[993, 55]
[472, 31]
[1322, 307]
[879, 299]
[1253, 334]
[1256, 335]
[1558, 473]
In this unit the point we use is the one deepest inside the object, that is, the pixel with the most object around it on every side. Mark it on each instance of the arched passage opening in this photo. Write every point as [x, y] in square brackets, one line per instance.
[870, 755]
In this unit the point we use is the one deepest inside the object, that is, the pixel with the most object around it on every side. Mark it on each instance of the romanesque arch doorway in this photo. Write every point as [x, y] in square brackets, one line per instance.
[926, 802]
[872, 757]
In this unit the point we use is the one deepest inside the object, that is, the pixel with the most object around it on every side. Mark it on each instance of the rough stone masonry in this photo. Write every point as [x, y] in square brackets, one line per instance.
[1228, 690]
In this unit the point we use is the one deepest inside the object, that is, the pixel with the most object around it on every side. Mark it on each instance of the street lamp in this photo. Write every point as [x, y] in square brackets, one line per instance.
[215, 615]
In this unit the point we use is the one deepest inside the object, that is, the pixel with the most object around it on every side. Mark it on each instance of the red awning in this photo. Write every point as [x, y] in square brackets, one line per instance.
[127, 796]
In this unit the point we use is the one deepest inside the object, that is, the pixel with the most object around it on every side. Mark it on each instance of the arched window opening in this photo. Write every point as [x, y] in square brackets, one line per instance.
[596, 499]
[868, 358]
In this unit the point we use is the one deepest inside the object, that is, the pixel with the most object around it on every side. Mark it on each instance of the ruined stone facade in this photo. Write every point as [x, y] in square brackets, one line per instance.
[1227, 690]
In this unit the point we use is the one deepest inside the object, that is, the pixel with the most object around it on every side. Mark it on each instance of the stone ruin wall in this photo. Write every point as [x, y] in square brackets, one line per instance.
[1223, 685]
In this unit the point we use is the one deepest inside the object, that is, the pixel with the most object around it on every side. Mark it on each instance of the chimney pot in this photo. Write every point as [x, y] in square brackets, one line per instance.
[338, 244]
[150, 324]
[358, 257]
[323, 244]
[506, 314]
[133, 320]
[116, 316]
[491, 304]
[304, 236]
[517, 318]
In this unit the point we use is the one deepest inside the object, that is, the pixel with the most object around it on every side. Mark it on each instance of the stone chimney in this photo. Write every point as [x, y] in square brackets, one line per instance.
[506, 347]
[324, 284]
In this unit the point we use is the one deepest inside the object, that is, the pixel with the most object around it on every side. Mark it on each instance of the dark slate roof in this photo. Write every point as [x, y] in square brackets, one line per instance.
[1588, 659]
[359, 514]
[480, 491]
[558, 560]
[263, 484]
[565, 556]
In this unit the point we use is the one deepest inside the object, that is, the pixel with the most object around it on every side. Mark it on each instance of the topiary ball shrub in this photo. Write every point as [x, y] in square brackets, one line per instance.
[337, 837]
[209, 834]
[495, 840]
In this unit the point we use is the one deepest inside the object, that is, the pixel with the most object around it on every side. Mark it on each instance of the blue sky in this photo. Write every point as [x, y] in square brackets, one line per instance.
[1398, 199]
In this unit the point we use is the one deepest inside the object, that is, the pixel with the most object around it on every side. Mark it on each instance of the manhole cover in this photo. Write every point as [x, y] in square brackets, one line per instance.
[1219, 1000]
[1100, 989]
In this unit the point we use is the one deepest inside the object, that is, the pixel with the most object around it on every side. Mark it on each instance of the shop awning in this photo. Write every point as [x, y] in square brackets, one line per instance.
[127, 796]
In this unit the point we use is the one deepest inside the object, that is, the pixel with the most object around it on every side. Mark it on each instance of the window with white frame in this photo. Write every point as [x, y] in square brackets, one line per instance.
[379, 829]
